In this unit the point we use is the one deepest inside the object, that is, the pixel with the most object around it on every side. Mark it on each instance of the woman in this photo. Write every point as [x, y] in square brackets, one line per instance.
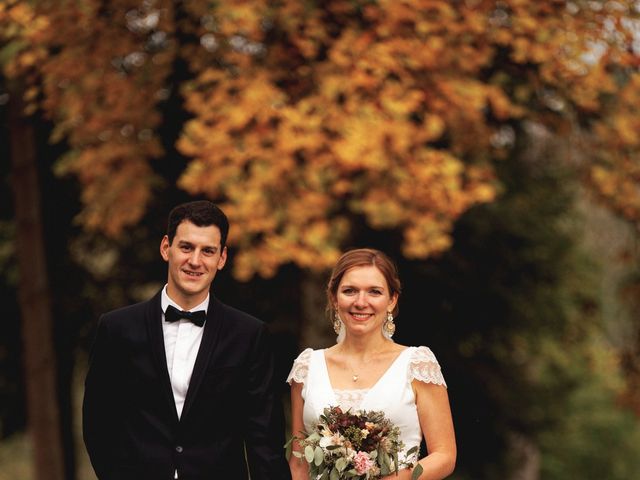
[367, 370]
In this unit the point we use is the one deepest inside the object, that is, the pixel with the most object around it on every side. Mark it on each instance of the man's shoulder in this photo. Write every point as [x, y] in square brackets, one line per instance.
[237, 315]
[128, 312]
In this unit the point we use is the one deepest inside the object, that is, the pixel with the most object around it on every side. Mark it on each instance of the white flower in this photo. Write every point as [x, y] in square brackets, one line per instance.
[333, 439]
[326, 441]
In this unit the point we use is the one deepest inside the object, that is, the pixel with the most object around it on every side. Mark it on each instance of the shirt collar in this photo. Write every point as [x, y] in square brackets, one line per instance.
[165, 301]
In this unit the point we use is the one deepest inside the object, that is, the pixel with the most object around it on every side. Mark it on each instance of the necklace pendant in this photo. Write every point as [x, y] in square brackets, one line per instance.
[354, 378]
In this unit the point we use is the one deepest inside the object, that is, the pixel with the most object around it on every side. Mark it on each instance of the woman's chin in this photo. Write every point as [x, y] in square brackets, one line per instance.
[361, 329]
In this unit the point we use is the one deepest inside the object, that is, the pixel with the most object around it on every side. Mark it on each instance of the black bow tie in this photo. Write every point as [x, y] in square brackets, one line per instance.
[173, 315]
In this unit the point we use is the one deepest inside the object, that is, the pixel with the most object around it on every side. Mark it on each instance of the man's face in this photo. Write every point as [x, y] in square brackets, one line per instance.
[194, 258]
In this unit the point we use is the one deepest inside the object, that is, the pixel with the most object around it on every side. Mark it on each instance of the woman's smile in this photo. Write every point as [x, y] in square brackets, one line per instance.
[361, 316]
[363, 300]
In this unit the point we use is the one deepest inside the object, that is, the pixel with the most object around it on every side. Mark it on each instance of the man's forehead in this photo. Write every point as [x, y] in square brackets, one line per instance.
[189, 232]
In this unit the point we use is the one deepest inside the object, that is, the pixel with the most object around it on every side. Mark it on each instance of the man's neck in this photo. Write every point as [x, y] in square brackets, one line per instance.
[186, 303]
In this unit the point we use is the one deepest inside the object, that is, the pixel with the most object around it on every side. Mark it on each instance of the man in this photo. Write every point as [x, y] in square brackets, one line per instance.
[171, 397]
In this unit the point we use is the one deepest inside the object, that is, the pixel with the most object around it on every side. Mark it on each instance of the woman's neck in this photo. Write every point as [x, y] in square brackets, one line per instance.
[364, 346]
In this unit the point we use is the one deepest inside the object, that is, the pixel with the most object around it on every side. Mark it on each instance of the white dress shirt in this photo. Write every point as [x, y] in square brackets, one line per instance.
[181, 344]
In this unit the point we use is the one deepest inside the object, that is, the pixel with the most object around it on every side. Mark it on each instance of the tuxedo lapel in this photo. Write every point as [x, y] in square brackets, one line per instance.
[153, 319]
[210, 336]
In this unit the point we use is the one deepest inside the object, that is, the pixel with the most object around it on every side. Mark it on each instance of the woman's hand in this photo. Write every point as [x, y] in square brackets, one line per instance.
[299, 468]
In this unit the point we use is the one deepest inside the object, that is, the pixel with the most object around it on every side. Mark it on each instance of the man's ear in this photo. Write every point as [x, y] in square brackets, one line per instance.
[223, 258]
[164, 248]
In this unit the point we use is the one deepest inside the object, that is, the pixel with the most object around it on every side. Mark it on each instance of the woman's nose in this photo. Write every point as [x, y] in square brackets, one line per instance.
[361, 300]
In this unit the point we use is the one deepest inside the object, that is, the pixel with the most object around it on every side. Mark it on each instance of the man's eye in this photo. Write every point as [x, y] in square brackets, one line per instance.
[376, 292]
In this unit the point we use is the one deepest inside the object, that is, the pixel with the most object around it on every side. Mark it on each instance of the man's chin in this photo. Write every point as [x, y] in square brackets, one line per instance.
[190, 290]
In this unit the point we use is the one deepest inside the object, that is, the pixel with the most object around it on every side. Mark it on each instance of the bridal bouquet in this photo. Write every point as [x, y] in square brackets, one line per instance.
[359, 446]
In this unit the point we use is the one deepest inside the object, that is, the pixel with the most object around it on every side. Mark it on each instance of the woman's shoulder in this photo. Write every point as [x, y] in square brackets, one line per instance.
[410, 352]
[424, 367]
[422, 353]
[300, 368]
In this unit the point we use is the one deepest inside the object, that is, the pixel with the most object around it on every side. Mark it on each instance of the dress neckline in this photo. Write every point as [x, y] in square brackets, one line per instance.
[372, 387]
[350, 390]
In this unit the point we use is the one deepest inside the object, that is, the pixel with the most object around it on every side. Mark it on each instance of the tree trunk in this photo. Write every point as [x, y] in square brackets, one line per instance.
[315, 331]
[525, 456]
[35, 302]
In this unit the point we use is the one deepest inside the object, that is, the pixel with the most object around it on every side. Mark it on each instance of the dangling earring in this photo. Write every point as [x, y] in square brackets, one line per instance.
[337, 323]
[389, 327]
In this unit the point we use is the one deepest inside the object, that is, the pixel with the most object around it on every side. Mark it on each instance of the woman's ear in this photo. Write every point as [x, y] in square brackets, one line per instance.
[393, 302]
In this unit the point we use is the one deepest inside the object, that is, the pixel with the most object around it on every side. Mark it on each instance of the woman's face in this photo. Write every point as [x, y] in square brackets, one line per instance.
[363, 300]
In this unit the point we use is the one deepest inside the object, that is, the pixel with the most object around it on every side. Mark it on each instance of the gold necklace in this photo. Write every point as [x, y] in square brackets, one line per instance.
[354, 375]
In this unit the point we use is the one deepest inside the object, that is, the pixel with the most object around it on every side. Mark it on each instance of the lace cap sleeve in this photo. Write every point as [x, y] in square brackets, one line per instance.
[424, 367]
[300, 367]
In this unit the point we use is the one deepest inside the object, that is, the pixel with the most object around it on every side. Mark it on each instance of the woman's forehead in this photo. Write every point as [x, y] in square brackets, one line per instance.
[368, 275]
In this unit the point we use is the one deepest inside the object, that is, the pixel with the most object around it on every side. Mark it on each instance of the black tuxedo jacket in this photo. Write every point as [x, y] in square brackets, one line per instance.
[231, 421]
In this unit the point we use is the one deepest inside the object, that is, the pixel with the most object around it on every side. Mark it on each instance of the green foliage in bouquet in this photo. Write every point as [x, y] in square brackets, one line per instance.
[347, 445]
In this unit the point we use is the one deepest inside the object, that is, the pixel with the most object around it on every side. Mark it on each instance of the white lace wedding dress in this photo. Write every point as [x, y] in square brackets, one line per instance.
[392, 394]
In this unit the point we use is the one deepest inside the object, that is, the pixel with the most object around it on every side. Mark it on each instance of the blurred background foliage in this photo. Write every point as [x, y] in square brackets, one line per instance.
[490, 147]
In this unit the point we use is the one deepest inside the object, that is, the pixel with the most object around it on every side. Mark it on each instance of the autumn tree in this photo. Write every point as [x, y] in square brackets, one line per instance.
[388, 110]
[310, 119]
[306, 115]
[35, 304]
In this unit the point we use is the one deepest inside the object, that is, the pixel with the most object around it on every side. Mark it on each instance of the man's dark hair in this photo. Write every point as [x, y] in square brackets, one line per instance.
[201, 213]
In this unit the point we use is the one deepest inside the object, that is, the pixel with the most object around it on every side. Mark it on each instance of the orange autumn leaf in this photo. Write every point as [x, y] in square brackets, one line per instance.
[305, 119]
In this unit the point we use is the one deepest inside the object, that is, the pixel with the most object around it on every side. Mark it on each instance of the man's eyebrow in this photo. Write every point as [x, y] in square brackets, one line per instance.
[186, 243]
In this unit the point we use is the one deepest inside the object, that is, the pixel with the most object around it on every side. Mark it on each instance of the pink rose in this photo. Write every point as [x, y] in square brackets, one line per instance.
[362, 462]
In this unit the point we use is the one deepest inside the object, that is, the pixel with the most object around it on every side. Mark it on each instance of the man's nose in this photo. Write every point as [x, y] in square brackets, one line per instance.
[194, 258]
